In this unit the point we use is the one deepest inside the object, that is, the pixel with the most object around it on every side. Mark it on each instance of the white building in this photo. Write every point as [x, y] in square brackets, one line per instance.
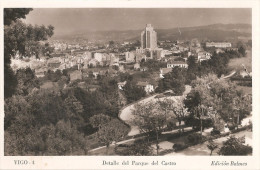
[172, 64]
[218, 44]
[148, 38]
[98, 56]
[148, 88]
[164, 71]
[129, 57]
[203, 55]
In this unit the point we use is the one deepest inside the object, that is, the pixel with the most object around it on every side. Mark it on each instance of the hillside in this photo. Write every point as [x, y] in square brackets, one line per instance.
[215, 32]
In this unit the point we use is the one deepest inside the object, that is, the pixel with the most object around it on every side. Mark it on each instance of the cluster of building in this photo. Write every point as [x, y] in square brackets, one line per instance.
[90, 60]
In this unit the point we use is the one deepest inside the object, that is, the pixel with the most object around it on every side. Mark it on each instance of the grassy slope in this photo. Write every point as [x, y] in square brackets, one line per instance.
[236, 63]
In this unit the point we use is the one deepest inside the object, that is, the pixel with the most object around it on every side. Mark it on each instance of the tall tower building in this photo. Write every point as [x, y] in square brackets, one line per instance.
[148, 38]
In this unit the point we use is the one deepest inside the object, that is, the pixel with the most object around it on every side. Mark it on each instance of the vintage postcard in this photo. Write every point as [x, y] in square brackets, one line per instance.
[130, 84]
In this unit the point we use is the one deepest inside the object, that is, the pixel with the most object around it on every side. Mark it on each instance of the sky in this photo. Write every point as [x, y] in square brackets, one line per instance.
[67, 20]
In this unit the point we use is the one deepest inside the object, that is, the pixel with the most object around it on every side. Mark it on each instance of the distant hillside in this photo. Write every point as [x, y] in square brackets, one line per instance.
[215, 32]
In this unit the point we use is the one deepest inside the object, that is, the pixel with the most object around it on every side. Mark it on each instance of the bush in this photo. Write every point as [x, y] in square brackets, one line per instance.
[235, 146]
[194, 138]
[207, 123]
[215, 132]
[140, 147]
[171, 125]
[231, 126]
[179, 146]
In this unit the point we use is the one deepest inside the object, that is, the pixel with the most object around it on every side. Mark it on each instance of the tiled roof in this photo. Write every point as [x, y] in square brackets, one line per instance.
[166, 70]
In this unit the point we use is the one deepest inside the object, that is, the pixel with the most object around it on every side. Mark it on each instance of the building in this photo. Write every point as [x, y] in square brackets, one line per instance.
[218, 44]
[98, 57]
[203, 55]
[148, 38]
[148, 88]
[164, 71]
[218, 50]
[93, 63]
[40, 72]
[172, 64]
[129, 57]
[54, 62]
[139, 57]
[160, 53]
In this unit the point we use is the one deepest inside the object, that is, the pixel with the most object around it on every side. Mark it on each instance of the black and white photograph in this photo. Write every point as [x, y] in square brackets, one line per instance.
[95, 81]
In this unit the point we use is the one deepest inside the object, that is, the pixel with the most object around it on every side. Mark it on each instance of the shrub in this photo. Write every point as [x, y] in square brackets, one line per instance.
[215, 132]
[179, 146]
[235, 146]
[171, 125]
[231, 126]
[140, 147]
[195, 138]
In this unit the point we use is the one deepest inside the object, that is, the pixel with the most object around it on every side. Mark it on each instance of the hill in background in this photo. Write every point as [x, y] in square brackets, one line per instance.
[215, 32]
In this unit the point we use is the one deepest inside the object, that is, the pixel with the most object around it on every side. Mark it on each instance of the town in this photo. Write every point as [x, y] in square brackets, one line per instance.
[151, 95]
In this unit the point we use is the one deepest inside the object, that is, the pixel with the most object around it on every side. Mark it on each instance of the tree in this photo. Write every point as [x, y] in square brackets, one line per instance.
[235, 146]
[174, 81]
[201, 113]
[12, 14]
[241, 48]
[99, 120]
[113, 131]
[133, 92]
[111, 44]
[150, 120]
[26, 81]
[211, 146]
[179, 110]
[20, 39]
[217, 97]
[192, 70]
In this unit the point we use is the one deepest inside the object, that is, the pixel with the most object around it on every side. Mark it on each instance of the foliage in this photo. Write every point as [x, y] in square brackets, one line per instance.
[125, 77]
[241, 49]
[153, 65]
[26, 81]
[177, 108]
[53, 76]
[174, 81]
[215, 132]
[99, 120]
[150, 119]
[194, 138]
[211, 146]
[139, 148]
[179, 146]
[217, 96]
[235, 146]
[133, 92]
[37, 126]
[21, 39]
[12, 14]
[113, 131]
